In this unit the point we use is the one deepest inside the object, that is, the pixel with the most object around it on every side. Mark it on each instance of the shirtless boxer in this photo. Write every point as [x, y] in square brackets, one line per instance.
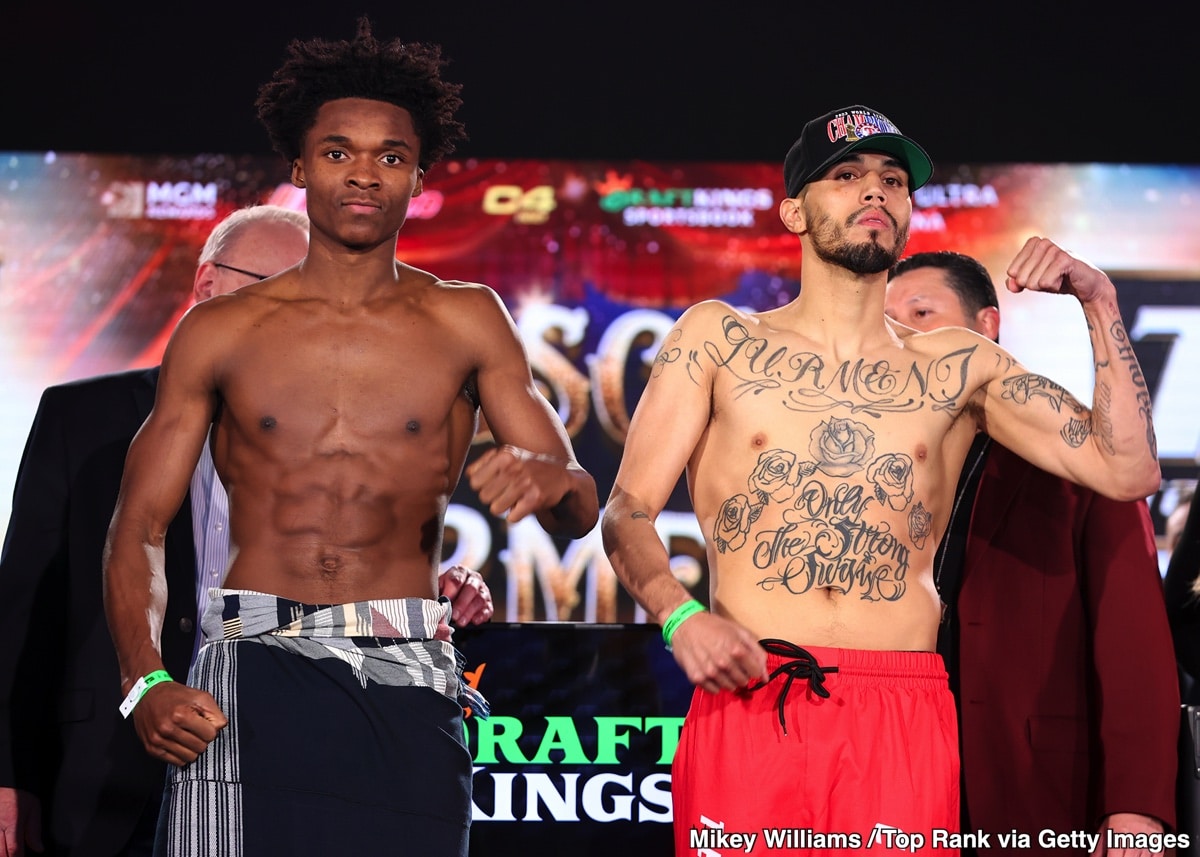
[822, 444]
[326, 704]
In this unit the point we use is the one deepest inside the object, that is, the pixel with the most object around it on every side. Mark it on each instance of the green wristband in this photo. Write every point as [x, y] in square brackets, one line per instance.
[140, 687]
[681, 613]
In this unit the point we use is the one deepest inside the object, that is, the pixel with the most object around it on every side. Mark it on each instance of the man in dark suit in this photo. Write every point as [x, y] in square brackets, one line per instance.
[74, 777]
[1055, 631]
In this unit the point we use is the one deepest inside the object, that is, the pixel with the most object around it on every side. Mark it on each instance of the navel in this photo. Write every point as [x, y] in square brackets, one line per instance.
[331, 563]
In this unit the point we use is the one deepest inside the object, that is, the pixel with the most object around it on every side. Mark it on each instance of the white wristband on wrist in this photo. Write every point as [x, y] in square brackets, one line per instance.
[139, 689]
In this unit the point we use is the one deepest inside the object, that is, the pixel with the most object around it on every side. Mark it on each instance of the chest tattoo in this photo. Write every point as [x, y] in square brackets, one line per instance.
[805, 382]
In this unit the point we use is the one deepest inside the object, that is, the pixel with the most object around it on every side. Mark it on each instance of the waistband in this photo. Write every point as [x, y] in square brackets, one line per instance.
[896, 667]
[816, 664]
[233, 613]
[393, 641]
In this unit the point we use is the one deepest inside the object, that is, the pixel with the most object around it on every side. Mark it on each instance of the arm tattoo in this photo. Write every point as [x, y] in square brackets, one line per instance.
[1101, 422]
[1023, 389]
[1125, 355]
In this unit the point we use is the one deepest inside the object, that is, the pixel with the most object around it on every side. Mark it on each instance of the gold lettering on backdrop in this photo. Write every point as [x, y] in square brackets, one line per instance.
[570, 390]
[640, 329]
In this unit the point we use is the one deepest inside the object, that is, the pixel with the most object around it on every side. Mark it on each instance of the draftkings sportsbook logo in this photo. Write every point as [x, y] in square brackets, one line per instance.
[681, 206]
[536, 768]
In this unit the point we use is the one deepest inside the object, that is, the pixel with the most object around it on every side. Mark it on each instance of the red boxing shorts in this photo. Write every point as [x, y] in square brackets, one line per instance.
[843, 749]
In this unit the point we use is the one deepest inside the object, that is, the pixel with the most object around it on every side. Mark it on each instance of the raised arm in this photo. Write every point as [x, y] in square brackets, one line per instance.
[533, 468]
[1110, 447]
[174, 722]
[667, 426]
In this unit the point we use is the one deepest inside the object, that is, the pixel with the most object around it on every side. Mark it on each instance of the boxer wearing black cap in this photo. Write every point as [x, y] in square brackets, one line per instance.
[822, 443]
[829, 138]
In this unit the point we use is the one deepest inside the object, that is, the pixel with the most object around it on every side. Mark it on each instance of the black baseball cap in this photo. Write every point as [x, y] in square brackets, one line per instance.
[830, 138]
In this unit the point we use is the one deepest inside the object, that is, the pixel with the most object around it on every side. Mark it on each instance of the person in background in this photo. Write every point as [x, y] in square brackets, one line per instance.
[1052, 601]
[74, 779]
[1173, 529]
[1182, 589]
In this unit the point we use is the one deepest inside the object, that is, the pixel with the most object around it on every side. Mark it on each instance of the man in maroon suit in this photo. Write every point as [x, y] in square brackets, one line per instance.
[1054, 630]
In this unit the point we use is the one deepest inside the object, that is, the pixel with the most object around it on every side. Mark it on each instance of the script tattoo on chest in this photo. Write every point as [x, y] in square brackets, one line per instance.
[819, 536]
[805, 382]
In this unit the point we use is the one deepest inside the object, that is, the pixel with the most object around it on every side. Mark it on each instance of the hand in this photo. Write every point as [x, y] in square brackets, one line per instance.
[470, 598]
[1043, 266]
[20, 822]
[515, 482]
[1126, 822]
[176, 722]
[718, 654]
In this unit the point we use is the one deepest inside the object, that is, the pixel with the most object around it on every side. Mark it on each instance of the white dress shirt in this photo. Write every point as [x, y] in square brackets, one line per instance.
[210, 529]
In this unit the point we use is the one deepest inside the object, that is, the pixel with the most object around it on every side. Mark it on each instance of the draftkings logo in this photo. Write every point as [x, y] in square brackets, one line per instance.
[681, 206]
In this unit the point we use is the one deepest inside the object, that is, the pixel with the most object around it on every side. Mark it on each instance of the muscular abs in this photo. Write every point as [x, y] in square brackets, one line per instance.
[338, 490]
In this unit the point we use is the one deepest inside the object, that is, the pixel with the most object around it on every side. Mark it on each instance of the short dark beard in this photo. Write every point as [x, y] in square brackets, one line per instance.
[830, 245]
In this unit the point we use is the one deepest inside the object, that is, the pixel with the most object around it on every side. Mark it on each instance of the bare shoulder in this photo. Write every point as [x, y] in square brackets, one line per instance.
[939, 342]
[465, 292]
[212, 316]
[954, 352]
[210, 331]
[712, 315]
[711, 310]
[466, 302]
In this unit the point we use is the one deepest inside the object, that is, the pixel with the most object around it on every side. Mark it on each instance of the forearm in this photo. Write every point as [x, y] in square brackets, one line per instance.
[639, 558]
[1121, 425]
[575, 514]
[135, 601]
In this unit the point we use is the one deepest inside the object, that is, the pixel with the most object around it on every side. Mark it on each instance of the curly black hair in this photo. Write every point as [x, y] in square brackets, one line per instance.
[318, 70]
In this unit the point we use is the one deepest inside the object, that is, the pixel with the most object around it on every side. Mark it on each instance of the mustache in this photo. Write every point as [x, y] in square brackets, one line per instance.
[853, 217]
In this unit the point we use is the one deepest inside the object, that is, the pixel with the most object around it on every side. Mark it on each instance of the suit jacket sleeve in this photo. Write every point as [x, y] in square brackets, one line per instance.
[1183, 605]
[1137, 688]
[32, 581]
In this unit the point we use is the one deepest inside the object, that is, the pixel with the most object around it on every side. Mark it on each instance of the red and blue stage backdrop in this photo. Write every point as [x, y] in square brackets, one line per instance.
[595, 261]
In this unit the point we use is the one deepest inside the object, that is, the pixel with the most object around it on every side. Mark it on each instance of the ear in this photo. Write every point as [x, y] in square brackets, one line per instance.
[420, 182]
[202, 286]
[987, 322]
[792, 215]
[297, 173]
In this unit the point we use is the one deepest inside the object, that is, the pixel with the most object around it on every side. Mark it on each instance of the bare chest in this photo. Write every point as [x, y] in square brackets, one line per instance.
[368, 377]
